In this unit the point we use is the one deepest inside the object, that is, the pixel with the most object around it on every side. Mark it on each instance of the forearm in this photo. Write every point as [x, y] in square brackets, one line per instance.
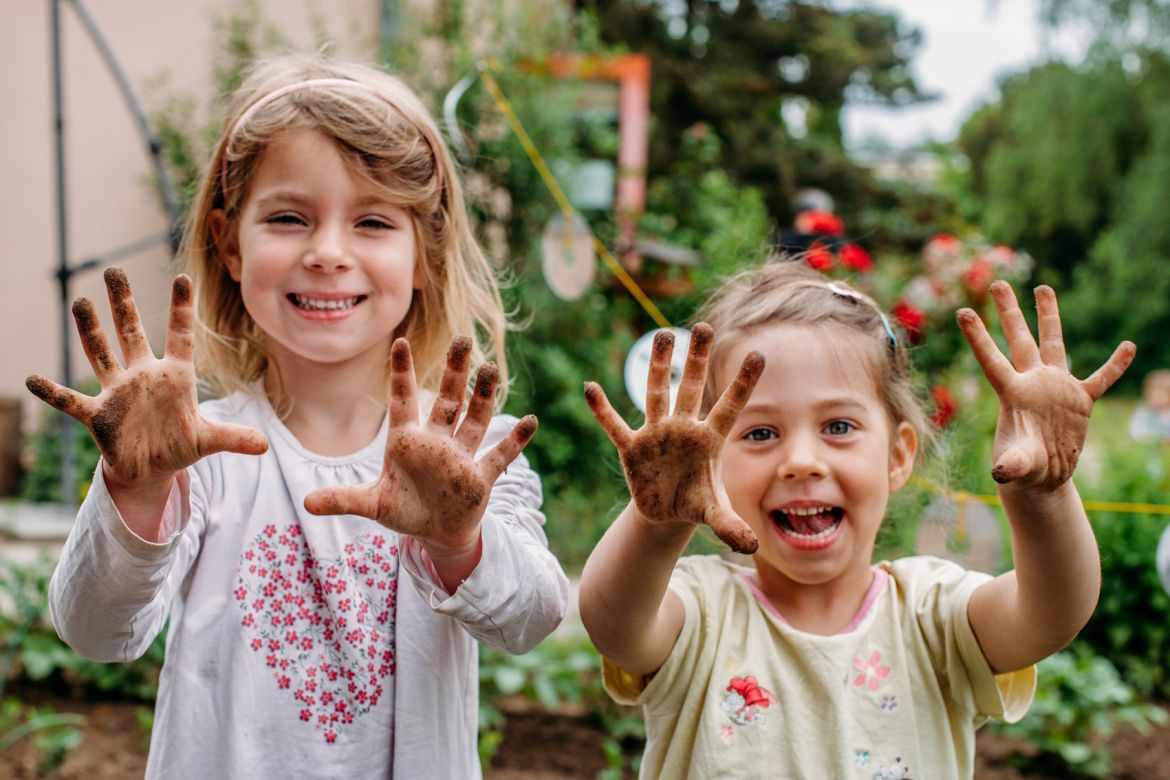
[517, 593]
[1038, 608]
[109, 594]
[624, 601]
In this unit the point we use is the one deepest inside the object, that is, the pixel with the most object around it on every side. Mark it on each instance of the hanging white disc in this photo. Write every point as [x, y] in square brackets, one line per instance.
[1163, 559]
[638, 365]
[567, 256]
[968, 533]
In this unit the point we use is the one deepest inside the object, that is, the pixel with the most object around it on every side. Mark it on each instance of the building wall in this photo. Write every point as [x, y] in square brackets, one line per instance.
[164, 47]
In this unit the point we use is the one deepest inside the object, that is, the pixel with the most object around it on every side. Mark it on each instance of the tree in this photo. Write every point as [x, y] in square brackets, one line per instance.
[1072, 166]
[739, 67]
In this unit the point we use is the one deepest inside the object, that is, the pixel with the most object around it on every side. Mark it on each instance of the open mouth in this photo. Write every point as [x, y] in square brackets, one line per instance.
[808, 523]
[308, 303]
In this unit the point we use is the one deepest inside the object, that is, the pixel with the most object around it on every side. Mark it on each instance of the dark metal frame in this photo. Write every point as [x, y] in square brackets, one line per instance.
[65, 271]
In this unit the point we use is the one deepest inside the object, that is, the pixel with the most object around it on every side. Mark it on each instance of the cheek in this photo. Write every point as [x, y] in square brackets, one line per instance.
[745, 479]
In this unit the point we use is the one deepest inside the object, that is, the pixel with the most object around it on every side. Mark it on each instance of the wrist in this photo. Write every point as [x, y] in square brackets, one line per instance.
[454, 552]
[453, 565]
[141, 503]
[660, 530]
[149, 485]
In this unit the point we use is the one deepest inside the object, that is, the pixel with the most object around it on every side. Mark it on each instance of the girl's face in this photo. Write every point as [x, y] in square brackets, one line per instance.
[811, 462]
[326, 265]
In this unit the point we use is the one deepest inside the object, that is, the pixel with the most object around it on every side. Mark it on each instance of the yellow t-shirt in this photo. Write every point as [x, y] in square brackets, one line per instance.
[898, 694]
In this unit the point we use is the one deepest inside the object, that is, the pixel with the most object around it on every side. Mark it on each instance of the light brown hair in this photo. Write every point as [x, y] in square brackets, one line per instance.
[789, 292]
[386, 136]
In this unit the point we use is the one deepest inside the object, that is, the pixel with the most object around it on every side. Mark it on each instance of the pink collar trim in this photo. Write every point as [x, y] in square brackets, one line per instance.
[876, 587]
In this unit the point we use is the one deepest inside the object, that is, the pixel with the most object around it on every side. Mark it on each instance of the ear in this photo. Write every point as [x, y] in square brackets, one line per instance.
[226, 242]
[902, 452]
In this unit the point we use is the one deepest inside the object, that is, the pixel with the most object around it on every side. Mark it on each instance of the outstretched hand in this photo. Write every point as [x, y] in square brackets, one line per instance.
[145, 420]
[1044, 410]
[672, 462]
[431, 486]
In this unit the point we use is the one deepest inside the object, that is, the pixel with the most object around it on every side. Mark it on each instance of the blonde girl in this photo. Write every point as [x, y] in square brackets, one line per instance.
[339, 306]
[815, 661]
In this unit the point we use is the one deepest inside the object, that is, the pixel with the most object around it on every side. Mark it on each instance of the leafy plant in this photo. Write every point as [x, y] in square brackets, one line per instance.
[1131, 625]
[559, 672]
[54, 734]
[35, 653]
[1080, 702]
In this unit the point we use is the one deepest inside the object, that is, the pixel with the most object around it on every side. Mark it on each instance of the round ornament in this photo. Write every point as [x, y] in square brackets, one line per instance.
[638, 365]
[567, 257]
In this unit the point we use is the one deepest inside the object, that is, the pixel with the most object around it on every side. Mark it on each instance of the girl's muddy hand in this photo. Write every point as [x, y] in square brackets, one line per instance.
[431, 486]
[1044, 409]
[145, 419]
[672, 462]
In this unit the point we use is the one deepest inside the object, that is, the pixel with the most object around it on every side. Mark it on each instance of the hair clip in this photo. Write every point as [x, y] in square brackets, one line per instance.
[848, 292]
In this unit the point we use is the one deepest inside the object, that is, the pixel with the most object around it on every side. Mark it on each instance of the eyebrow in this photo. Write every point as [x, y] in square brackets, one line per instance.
[291, 196]
[839, 402]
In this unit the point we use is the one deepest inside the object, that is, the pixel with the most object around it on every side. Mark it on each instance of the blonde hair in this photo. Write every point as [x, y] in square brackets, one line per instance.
[387, 137]
[789, 292]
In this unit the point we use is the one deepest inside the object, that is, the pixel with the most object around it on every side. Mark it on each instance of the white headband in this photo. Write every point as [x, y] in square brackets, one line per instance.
[298, 86]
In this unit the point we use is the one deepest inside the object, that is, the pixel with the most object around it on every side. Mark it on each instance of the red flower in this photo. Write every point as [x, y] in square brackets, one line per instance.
[945, 406]
[911, 320]
[853, 256]
[978, 278]
[813, 221]
[819, 257]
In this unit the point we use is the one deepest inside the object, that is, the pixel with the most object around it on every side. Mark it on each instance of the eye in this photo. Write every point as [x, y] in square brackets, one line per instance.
[760, 434]
[375, 223]
[839, 428]
[285, 218]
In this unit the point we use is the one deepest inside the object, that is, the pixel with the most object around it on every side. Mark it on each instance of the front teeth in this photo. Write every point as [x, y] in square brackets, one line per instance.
[324, 304]
[804, 511]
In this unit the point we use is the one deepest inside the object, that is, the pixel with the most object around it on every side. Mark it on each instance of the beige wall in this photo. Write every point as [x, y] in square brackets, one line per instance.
[109, 199]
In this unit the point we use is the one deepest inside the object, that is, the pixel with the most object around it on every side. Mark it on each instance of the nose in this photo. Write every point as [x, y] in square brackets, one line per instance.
[327, 250]
[801, 458]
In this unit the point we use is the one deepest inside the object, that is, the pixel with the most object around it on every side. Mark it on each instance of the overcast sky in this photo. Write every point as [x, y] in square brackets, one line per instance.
[967, 45]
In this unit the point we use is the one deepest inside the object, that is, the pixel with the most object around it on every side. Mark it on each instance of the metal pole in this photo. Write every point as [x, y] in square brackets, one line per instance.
[154, 146]
[67, 429]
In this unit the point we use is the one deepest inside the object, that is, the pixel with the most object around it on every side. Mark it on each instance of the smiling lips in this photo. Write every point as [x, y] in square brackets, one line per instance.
[311, 303]
[808, 527]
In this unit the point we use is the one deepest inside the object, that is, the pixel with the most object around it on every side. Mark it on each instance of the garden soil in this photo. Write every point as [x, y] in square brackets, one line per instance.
[537, 746]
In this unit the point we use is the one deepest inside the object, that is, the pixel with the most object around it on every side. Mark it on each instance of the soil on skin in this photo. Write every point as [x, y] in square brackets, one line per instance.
[537, 746]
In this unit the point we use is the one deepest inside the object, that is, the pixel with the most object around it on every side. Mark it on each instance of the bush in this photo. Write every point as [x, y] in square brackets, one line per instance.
[1131, 625]
[1080, 702]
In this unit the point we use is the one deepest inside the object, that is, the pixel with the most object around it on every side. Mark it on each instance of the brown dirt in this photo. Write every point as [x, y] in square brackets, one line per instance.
[537, 746]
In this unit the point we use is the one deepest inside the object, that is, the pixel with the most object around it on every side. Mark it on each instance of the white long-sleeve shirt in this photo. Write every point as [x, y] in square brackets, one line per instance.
[295, 649]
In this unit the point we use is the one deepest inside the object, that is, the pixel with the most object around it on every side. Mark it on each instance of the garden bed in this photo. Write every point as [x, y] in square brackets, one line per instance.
[536, 746]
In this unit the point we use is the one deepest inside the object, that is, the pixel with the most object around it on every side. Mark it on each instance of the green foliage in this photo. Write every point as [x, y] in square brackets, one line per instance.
[53, 734]
[736, 67]
[560, 671]
[42, 482]
[1080, 701]
[1131, 625]
[38, 655]
[1048, 159]
[1072, 167]
[21, 613]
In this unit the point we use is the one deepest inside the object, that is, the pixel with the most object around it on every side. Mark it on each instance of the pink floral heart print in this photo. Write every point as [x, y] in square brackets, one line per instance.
[325, 627]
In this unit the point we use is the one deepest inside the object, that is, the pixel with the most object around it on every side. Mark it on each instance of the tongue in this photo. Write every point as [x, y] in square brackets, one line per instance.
[808, 525]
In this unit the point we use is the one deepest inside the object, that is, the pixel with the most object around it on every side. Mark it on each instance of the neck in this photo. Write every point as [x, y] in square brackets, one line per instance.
[336, 408]
[821, 608]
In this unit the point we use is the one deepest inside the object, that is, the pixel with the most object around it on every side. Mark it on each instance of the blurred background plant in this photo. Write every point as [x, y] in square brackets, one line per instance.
[1080, 701]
